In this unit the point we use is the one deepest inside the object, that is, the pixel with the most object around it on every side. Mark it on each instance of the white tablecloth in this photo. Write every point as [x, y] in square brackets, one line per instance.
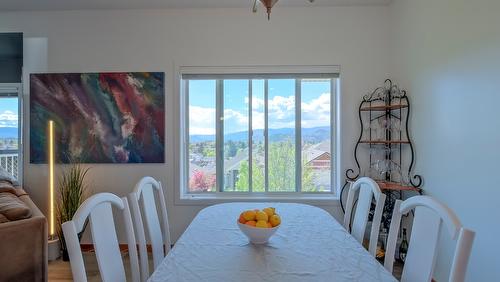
[310, 245]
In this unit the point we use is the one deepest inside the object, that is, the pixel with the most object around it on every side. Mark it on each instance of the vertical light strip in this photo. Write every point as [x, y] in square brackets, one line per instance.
[51, 175]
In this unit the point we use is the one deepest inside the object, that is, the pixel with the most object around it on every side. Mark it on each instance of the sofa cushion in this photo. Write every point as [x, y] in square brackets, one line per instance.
[6, 186]
[6, 176]
[12, 207]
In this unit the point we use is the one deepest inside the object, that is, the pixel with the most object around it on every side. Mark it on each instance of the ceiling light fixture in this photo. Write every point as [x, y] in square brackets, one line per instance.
[268, 4]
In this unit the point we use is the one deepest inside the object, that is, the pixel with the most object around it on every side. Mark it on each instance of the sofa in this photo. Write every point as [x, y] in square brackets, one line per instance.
[23, 236]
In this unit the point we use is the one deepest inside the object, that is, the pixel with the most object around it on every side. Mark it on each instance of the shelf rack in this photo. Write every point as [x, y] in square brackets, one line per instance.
[386, 106]
[396, 186]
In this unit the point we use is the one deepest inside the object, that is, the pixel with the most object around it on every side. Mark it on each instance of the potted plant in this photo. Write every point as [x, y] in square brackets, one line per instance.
[72, 193]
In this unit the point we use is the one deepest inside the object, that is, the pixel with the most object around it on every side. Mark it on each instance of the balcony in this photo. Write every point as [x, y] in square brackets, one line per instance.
[9, 161]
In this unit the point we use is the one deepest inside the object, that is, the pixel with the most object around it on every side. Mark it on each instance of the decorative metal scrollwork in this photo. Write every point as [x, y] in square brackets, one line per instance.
[389, 107]
[388, 100]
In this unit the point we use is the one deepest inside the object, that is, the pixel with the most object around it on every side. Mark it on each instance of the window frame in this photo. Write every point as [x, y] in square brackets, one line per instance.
[332, 72]
[6, 90]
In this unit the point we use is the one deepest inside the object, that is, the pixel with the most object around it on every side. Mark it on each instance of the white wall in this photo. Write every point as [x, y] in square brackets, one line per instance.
[447, 53]
[356, 38]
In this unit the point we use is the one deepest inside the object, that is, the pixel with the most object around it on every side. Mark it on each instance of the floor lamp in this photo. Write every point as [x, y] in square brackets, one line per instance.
[54, 248]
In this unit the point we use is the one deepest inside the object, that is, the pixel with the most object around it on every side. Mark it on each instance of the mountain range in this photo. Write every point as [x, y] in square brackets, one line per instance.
[315, 134]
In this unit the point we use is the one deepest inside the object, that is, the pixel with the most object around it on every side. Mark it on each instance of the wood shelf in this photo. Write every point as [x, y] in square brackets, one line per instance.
[384, 108]
[384, 185]
[384, 142]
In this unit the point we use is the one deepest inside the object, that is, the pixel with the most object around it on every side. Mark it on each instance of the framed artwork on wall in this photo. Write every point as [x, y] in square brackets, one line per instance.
[99, 117]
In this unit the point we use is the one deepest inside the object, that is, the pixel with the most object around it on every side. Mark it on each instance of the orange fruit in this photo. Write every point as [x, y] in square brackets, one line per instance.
[269, 211]
[249, 215]
[242, 219]
[269, 225]
[251, 223]
[260, 215]
[275, 220]
[261, 224]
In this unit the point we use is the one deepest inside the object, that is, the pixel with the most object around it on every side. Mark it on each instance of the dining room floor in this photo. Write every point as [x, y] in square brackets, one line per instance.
[60, 271]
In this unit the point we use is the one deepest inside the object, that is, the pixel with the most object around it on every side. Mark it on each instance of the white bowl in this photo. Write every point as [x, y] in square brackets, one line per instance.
[257, 235]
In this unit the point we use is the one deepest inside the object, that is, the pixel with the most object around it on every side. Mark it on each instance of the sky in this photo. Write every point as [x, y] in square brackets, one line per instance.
[315, 105]
[8, 112]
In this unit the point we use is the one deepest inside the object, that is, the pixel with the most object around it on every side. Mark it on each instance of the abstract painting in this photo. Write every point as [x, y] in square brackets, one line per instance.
[98, 117]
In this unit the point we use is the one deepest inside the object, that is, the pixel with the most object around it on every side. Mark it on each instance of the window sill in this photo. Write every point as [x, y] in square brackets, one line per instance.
[204, 200]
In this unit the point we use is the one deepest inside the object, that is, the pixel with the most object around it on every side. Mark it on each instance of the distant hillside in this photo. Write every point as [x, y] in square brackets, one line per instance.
[315, 134]
[8, 132]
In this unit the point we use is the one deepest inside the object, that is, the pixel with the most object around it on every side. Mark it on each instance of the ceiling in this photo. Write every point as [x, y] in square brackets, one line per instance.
[18, 5]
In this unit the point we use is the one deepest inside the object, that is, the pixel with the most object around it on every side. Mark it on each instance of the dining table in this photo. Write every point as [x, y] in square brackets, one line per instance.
[309, 245]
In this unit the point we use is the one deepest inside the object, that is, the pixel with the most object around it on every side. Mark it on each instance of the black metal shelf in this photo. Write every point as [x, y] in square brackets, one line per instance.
[392, 104]
[383, 117]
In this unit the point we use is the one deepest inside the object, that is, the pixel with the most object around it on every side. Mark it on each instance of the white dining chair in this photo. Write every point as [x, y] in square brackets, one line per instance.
[428, 218]
[144, 194]
[368, 190]
[98, 208]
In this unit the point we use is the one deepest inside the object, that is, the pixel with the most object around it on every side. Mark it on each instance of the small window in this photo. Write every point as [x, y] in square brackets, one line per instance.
[10, 140]
[259, 134]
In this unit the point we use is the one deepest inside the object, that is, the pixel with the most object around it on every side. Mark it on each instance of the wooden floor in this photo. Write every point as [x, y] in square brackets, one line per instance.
[60, 270]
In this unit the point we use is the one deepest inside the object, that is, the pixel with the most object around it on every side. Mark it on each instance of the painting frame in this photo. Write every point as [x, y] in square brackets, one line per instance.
[99, 117]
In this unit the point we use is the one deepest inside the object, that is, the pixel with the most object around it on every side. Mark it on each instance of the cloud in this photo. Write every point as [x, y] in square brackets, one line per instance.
[235, 121]
[201, 120]
[257, 104]
[237, 117]
[8, 119]
[317, 112]
[281, 111]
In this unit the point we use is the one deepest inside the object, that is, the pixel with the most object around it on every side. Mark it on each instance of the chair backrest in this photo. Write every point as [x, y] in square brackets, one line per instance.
[368, 190]
[98, 208]
[420, 260]
[144, 195]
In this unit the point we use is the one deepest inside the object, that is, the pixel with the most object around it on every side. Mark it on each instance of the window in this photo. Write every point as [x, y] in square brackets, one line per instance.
[265, 134]
[10, 141]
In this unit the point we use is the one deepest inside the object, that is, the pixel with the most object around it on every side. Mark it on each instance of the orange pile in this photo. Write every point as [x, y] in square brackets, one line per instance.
[265, 218]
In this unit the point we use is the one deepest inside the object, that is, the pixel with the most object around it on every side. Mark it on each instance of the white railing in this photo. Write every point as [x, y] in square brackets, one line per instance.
[9, 161]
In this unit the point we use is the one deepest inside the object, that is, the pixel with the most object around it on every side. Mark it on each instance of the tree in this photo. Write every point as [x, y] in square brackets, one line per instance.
[257, 178]
[200, 182]
[281, 163]
[281, 171]
[242, 183]
[208, 151]
[230, 149]
[307, 178]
